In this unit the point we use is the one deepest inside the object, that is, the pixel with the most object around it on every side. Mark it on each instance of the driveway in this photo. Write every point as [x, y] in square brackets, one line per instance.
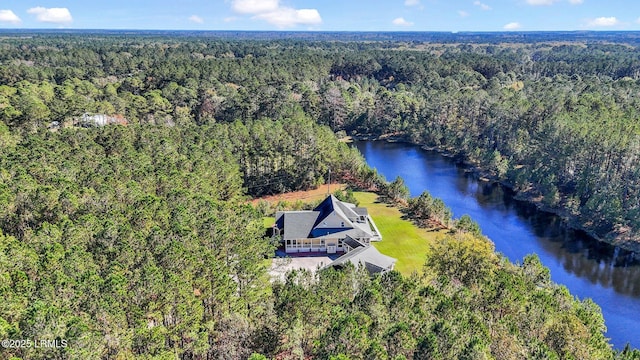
[282, 263]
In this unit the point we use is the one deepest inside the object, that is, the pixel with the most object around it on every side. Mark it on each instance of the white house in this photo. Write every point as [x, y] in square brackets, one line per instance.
[325, 228]
[89, 120]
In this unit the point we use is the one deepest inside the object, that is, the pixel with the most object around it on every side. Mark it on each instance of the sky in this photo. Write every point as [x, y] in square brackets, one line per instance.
[324, 15]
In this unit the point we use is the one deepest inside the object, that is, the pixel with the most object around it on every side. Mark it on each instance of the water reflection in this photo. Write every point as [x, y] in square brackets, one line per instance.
[609, 275]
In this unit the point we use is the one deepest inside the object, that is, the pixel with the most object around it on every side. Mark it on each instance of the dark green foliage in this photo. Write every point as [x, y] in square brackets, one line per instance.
[395, 190]
[466, 224]
[497, 310]
[628, 354]
[286, 155]
[558, 122]
[346, 196]
[429, 211]
[136, 241]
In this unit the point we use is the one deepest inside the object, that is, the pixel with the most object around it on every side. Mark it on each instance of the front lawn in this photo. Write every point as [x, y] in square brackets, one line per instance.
[401, 239]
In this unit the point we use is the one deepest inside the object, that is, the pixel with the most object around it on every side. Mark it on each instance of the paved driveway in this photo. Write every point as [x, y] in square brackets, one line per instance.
[282, 264]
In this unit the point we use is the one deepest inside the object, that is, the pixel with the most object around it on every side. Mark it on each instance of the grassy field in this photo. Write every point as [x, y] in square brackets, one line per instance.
[401, 239]
[268, 221]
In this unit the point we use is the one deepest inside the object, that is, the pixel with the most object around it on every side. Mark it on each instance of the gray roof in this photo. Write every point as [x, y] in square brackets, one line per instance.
[354, 233]
[298, 224]
[369, 257]
[346, 211]
[330, 205]
[352, 243]
[361, 211]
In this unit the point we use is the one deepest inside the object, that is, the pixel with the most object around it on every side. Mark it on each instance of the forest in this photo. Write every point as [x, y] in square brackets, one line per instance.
[556, 121]
[135, 240]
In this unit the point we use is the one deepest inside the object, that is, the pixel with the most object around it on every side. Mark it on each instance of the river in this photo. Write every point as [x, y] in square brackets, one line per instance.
[588, 268]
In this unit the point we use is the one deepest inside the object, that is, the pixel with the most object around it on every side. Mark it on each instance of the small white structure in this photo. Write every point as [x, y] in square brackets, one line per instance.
[101, 120]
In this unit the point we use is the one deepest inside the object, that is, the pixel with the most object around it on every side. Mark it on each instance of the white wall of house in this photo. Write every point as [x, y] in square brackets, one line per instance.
[333, 221]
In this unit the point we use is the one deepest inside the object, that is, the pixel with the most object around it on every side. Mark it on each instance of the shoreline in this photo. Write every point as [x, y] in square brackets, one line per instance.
[621, 241]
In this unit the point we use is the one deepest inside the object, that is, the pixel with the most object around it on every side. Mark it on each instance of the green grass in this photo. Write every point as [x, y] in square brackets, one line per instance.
[401, 239]
[268, 221]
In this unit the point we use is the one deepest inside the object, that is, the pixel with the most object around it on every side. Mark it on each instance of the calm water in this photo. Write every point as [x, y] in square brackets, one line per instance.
[588, 268]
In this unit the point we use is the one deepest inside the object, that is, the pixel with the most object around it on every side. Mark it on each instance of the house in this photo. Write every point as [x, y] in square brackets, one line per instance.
[334, 227]
[325, 228]
[88, 120]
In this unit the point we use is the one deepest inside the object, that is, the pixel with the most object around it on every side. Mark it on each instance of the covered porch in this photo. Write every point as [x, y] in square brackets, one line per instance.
[313, 245]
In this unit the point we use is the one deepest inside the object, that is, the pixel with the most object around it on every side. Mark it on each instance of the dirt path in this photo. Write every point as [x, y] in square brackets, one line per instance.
[309, 195]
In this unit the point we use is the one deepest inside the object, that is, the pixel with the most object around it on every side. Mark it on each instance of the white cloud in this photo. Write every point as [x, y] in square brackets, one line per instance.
[576, 2]
[542, 2]
[604, 21]
[411, 2]
[230, 19]
[401, 22]
[51, 15]
[638, 20]
[463, 13]
[8, 16]
[512, 26]
[482, 6]
[288, 17]
[196, 19]
[271, 12]
[255, 6]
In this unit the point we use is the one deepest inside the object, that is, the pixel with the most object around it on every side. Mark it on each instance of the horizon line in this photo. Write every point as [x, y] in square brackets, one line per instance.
[323, 31]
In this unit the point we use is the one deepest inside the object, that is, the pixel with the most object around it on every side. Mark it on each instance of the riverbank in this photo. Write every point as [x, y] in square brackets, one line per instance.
[589, 268]
[623, 238]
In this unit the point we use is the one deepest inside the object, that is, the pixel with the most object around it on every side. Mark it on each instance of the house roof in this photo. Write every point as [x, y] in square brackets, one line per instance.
[332, 205]
[352, 243]
[346, 211]
[361, 211]
[298, 224]
[339, 233]
[305, 224]
[369, 257]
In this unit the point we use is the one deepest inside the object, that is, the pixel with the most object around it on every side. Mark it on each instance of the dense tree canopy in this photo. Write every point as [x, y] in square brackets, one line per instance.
[135, 240]
[558, 121]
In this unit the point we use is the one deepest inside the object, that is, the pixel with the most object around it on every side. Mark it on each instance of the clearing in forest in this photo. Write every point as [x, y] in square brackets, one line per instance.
[319, 193]
[401, 238]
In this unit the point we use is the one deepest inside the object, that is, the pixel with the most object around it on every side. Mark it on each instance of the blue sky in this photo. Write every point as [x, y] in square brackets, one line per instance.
[326, 15]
